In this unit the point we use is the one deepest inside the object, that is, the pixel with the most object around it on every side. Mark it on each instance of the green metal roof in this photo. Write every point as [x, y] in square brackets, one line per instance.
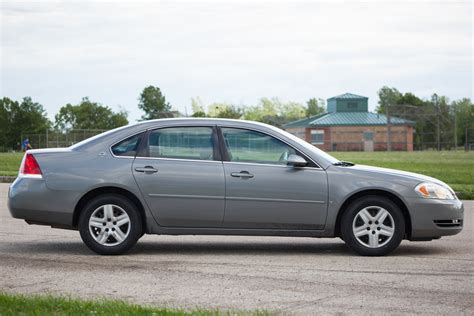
[303, 122]
[348, 119]
[348, 96]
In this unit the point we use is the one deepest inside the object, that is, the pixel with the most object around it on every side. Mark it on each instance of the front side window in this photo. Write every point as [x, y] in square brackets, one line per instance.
[127, 147]
[182, 143]
[251, 146]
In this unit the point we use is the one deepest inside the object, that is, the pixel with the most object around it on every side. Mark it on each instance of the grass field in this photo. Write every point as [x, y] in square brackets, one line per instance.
[9, 163]
[48, 305]
[454, 168]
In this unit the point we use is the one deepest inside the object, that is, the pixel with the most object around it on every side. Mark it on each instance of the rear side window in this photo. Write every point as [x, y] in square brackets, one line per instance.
[182, 143]
[127, 147]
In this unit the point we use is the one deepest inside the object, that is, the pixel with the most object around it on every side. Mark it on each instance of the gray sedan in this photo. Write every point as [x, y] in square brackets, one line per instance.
[224, 177]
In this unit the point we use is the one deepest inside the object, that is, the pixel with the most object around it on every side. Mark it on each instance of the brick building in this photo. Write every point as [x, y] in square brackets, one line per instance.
[349, 126]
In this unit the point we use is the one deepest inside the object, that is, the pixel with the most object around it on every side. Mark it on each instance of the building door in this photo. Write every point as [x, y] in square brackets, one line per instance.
[369, 141]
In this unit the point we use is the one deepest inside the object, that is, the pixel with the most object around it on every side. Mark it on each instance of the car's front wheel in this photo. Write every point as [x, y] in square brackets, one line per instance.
[110, 225]
[373, 226]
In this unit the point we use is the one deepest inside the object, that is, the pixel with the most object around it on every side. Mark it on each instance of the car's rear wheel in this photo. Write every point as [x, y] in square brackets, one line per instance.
[110, 225]
[373, 226]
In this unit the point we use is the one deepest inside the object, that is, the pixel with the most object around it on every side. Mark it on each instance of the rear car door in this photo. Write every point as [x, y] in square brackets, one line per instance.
[262, 191]
[181, 177]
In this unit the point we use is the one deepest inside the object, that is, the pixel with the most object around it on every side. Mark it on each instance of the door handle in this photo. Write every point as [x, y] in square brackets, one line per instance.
[242, 174]
[146, 169]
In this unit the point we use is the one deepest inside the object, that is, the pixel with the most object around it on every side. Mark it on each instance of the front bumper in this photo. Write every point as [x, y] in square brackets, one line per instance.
[432, 218]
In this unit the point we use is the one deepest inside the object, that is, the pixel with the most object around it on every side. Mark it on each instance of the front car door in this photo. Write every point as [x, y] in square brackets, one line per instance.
[262, 191]
[181, 177]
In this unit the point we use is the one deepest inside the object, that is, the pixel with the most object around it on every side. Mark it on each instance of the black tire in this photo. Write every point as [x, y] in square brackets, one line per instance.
[135, 228]
[397, 220]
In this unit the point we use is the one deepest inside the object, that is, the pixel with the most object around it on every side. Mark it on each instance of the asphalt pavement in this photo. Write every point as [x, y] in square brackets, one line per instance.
[284, 275]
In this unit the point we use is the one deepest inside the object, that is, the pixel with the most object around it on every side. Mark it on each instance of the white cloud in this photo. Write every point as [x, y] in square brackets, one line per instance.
[58, 52]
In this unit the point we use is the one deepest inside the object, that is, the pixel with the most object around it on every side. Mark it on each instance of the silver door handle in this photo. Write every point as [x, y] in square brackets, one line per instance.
[146, 169]
[242, 174]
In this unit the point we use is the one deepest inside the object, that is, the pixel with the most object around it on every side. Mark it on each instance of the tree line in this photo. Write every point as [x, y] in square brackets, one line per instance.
[432, 117]
[439, 122]
[17, 117]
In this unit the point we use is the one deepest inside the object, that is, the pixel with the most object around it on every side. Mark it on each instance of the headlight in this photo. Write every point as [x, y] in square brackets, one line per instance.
[430, 190]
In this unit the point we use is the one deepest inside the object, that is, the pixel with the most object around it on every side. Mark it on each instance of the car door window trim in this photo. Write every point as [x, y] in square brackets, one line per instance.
[143, 151]
[226, 157]
[140, 142]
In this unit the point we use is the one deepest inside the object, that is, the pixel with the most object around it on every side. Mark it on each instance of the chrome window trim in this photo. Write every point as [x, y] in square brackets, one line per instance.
[318, 167]
[283, 141]
[268, 165]
[179, 159]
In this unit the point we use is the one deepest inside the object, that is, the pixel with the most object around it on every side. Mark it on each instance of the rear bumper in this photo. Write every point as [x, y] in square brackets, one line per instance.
[31, 200]
[431, 218]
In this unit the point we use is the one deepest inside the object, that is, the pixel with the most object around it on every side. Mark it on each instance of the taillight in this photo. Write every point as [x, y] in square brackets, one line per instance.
[30, 167]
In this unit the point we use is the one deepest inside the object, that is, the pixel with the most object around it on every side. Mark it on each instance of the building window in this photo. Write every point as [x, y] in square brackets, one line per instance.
[317, 136]
[299, 134]
[352, 105]
[369, 135]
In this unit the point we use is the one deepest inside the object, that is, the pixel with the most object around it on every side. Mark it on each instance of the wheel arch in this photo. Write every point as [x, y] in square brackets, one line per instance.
[108, 190]
[391, 196]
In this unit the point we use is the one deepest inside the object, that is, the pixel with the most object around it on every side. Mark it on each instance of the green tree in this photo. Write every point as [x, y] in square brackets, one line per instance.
[315, 107]
[198, 107]
[275, 112]
[388, 97]
[266, 111]
[89, 115]
[17, 118]
[464, 111]
[154, 104]
[292, 111]
[224, 110]
[4, 123]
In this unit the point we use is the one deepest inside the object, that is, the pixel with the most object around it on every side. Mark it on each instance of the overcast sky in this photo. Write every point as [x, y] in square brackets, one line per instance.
[60, 51]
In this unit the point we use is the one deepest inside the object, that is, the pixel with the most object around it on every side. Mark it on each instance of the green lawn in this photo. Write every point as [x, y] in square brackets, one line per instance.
[11, 304]
[9, 163]
[454, 168]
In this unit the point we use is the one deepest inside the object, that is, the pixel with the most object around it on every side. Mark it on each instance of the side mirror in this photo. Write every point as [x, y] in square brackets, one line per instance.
[296, 161]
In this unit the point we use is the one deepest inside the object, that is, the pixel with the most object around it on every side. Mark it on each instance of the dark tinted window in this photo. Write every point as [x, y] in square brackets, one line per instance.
[127, 147]
[250, 146]
[182, 143]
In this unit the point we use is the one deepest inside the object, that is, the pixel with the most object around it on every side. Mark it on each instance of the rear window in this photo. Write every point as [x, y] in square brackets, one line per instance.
[127, 147]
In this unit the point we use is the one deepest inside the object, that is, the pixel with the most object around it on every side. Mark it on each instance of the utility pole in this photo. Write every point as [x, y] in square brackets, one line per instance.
[438, 131]
[455, 132]
[389, 132]
[466, 148]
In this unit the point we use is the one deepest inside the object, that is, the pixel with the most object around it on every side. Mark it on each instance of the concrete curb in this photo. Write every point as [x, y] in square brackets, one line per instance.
[7, 179]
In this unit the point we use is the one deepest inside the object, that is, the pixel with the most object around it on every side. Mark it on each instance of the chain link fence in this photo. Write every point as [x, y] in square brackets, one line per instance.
[50, 139]
[432, 129]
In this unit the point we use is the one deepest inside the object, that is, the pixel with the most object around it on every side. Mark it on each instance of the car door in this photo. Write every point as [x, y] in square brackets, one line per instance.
[181, 176]
[262, 191]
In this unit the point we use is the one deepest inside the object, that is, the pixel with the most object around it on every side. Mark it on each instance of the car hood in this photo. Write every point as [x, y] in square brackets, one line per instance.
[397, 173]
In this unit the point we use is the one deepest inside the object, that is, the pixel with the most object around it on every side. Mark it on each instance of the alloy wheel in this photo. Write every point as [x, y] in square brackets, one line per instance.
[109, 225]
[373, 227]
